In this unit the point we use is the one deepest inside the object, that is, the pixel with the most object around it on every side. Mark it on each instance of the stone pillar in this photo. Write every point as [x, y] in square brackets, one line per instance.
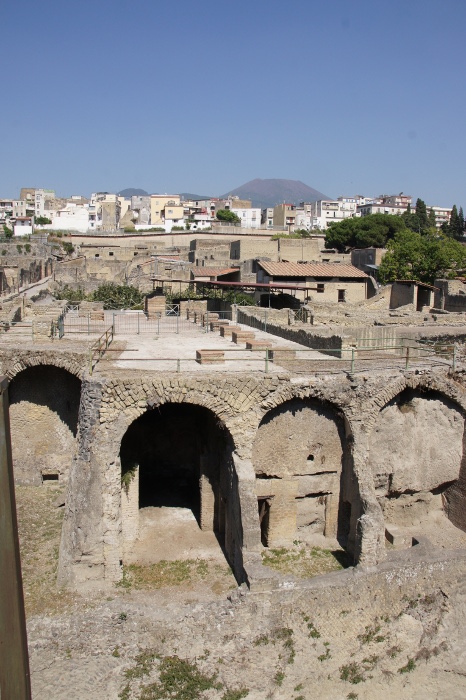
[130, 512]
[207, 503]
[282, 520]
[331, 514]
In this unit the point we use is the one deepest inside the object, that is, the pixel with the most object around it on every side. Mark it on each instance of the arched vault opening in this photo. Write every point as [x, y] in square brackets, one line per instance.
[44, 406]
[179, 491]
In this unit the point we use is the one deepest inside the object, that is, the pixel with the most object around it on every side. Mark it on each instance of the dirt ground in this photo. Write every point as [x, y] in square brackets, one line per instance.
[181, 629]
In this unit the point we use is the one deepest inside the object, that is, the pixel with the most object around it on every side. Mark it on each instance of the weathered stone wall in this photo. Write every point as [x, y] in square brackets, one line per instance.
[44, 403]
[93, 541]
[450, 295]
[299, 448]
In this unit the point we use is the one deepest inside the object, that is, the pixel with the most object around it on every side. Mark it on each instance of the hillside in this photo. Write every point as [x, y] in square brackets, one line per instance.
[268, 193]
[132, 192]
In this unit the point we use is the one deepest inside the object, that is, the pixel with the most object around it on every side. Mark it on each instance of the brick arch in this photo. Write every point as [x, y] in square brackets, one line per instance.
[221, 409]
[65, 362]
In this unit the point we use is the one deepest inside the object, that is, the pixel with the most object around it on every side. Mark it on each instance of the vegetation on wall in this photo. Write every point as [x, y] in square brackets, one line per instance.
[113, 296]
[227, 215]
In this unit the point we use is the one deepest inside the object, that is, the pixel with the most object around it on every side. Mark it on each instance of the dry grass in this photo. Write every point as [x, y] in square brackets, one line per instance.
[39, 525]
[181, 573]
[305, 562]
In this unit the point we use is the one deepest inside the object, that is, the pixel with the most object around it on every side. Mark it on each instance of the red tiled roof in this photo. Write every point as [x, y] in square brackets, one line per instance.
[282, 269]
[212, 271]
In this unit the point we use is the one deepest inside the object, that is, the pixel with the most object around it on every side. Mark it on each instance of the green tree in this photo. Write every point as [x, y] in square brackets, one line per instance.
[420, 221]
[42, 220]
[227, 215]
[414, 256]
[7, 232]
[363, 232]
[121, 296]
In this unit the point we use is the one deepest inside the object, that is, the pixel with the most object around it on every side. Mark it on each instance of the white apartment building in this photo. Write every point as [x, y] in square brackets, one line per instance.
[250, 218]
[73, 217]
[442, 215]
[325, 212]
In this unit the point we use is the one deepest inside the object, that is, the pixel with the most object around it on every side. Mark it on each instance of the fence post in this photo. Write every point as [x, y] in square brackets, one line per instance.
[407, 357]
[178, 365]
[32, 329]
[138, 322]
[158, 325]
[265, 321]
[177, 324]
[453, 366]
[352, 360]
[88, 324]
[266, 360]
[207, 322]
[113, 324]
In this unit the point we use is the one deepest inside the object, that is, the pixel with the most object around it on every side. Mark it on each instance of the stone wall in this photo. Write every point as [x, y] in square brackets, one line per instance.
[240, 403]
[276, 423]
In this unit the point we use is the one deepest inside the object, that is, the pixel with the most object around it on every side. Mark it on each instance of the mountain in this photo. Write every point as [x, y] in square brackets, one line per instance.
[268, 193]
[132, 192]
[196, 197]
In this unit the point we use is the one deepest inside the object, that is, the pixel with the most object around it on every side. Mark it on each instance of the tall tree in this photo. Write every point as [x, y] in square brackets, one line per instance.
[421, 213]
[455, 227]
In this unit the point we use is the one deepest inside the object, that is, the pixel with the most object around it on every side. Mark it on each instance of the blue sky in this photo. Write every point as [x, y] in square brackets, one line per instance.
[349, 96]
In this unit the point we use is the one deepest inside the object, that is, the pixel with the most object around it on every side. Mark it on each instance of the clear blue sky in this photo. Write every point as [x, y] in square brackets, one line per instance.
[349, 96]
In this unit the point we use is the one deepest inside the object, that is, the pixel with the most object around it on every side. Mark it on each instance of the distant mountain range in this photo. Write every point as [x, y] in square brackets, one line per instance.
[268, 193]
[132, 192]
[262, 193]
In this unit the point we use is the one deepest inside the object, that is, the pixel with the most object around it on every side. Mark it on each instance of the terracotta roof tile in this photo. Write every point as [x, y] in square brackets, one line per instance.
[282, 269]
[212, 271]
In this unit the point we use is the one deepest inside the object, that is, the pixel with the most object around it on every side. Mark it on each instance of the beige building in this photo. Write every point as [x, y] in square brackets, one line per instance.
[284, 215]
[333, 282]
[164, 206]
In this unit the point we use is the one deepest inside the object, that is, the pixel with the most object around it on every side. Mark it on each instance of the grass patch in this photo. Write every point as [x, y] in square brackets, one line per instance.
[39, 526]
[178, 679]
[352, 673]
[410, 666]
[305, 562]
[174, 573]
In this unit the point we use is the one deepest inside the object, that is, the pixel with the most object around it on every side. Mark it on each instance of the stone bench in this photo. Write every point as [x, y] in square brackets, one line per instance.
[216, 325]
[242, 336]
[280, 354]
[227, 331]
[208, 317]
[210, 357]
[258, 345]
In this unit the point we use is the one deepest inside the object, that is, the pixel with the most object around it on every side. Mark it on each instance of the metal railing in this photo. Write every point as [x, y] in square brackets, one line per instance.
[97, 349]
[346, 359]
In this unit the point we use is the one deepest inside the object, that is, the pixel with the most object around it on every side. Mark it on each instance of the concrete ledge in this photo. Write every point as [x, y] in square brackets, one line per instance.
[210, 357]
[242, 336]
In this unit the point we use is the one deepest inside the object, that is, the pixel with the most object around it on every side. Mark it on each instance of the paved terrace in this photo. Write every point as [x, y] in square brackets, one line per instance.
[169, 344]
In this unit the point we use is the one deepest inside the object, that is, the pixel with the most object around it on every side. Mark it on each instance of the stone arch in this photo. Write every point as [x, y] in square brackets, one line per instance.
[179, 455]
[416, 455]
[44, 405]
[304, 477]
[12, 367]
